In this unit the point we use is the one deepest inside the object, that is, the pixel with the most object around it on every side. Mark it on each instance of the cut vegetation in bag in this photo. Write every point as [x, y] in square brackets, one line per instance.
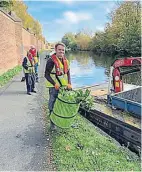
[67, 105]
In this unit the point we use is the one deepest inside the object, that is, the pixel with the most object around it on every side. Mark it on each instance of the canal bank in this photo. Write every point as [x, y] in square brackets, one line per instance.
[71, 145]
[25, 138]
[84, 147]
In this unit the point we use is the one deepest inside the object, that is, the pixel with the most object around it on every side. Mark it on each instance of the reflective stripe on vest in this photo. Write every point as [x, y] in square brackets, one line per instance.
[63, 78]
[30, 68]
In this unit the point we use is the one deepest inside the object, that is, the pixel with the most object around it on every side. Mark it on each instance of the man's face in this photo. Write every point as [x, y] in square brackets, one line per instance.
[60, 51]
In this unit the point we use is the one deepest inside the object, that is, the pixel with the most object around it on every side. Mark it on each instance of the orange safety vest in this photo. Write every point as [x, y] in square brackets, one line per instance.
[59, 72]
[57, 65]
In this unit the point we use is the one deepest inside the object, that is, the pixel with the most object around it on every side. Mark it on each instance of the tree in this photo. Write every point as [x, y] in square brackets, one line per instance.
[123, 33]
[6, 5]
[83, 41]
[70, 41]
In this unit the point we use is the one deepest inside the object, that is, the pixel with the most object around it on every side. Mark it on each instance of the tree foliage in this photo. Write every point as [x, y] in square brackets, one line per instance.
[121, 35]
[79, 41]
[5, 4]
[70, 41]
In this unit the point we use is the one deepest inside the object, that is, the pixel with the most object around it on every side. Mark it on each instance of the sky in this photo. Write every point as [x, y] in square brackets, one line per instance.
[63, 16]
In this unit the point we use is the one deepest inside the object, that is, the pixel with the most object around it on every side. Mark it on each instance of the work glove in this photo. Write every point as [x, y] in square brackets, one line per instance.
[69, 87]
[56, 86]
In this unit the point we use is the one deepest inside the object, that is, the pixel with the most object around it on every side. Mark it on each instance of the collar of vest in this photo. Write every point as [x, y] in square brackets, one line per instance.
[30, 59]
[58, 67]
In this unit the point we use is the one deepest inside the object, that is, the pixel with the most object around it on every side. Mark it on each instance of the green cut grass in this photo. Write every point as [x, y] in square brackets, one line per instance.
[7, 76]
[83, 147]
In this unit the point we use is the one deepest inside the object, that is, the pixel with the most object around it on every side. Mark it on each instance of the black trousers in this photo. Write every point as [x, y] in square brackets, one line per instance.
[30, 81]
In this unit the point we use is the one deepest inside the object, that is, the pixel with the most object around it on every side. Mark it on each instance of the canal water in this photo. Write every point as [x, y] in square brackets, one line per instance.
[88, 69]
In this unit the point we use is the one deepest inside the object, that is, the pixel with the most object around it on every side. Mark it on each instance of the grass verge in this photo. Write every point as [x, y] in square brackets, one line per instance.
[83, 147]
[7, 76]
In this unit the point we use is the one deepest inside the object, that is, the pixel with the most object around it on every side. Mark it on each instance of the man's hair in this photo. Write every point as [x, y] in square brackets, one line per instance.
[59, 43]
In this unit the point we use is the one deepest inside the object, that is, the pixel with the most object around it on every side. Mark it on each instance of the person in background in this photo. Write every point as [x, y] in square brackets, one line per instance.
[57, 74]
[28, 65]
[49, 54]
[35, 55]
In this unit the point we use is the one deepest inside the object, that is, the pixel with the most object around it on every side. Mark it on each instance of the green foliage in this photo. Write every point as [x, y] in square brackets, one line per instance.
[73, 46]
[77, 96]
[79, 41]
[4, 78]
[69, 40]
[123, 32]
[5, 4]
[83, 41]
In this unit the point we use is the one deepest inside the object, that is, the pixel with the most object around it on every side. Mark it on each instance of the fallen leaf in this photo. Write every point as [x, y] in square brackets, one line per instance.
[68, 148]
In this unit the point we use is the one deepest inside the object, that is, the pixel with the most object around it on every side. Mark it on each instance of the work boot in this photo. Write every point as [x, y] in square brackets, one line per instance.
[28, 93]
[50, 112]
[52, 126]
[33, 91]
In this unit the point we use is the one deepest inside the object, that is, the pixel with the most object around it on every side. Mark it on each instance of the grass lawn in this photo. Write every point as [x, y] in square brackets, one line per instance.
[83, 147]
[7, 76]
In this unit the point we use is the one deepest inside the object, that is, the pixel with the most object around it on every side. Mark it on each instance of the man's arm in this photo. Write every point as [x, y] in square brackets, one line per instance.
[24, 64]
[48, 69]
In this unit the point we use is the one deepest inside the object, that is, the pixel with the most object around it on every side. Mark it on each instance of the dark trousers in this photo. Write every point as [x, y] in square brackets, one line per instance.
[30, 81]
[53, 93]
[36, 71]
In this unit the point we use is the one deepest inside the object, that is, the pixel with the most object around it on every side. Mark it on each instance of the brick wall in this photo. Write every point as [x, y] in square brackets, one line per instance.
[33, 39]
[18, 38]
[14, 41]
[8, 56]
[26, 40]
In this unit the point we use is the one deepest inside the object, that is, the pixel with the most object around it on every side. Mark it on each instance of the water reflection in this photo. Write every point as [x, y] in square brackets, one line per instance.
[88, 69]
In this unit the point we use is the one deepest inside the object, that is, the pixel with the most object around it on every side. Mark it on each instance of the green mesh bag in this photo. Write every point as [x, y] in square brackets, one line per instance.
[64, 112]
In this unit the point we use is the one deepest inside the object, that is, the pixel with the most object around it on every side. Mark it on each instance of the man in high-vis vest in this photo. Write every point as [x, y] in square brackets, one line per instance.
[35, 55]
[28, 65]
[57, 74]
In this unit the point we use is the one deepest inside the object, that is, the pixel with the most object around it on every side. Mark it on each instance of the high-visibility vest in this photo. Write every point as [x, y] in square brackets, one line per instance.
[30, 67]
[35, 59]
[62, 80]
[34, 54]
